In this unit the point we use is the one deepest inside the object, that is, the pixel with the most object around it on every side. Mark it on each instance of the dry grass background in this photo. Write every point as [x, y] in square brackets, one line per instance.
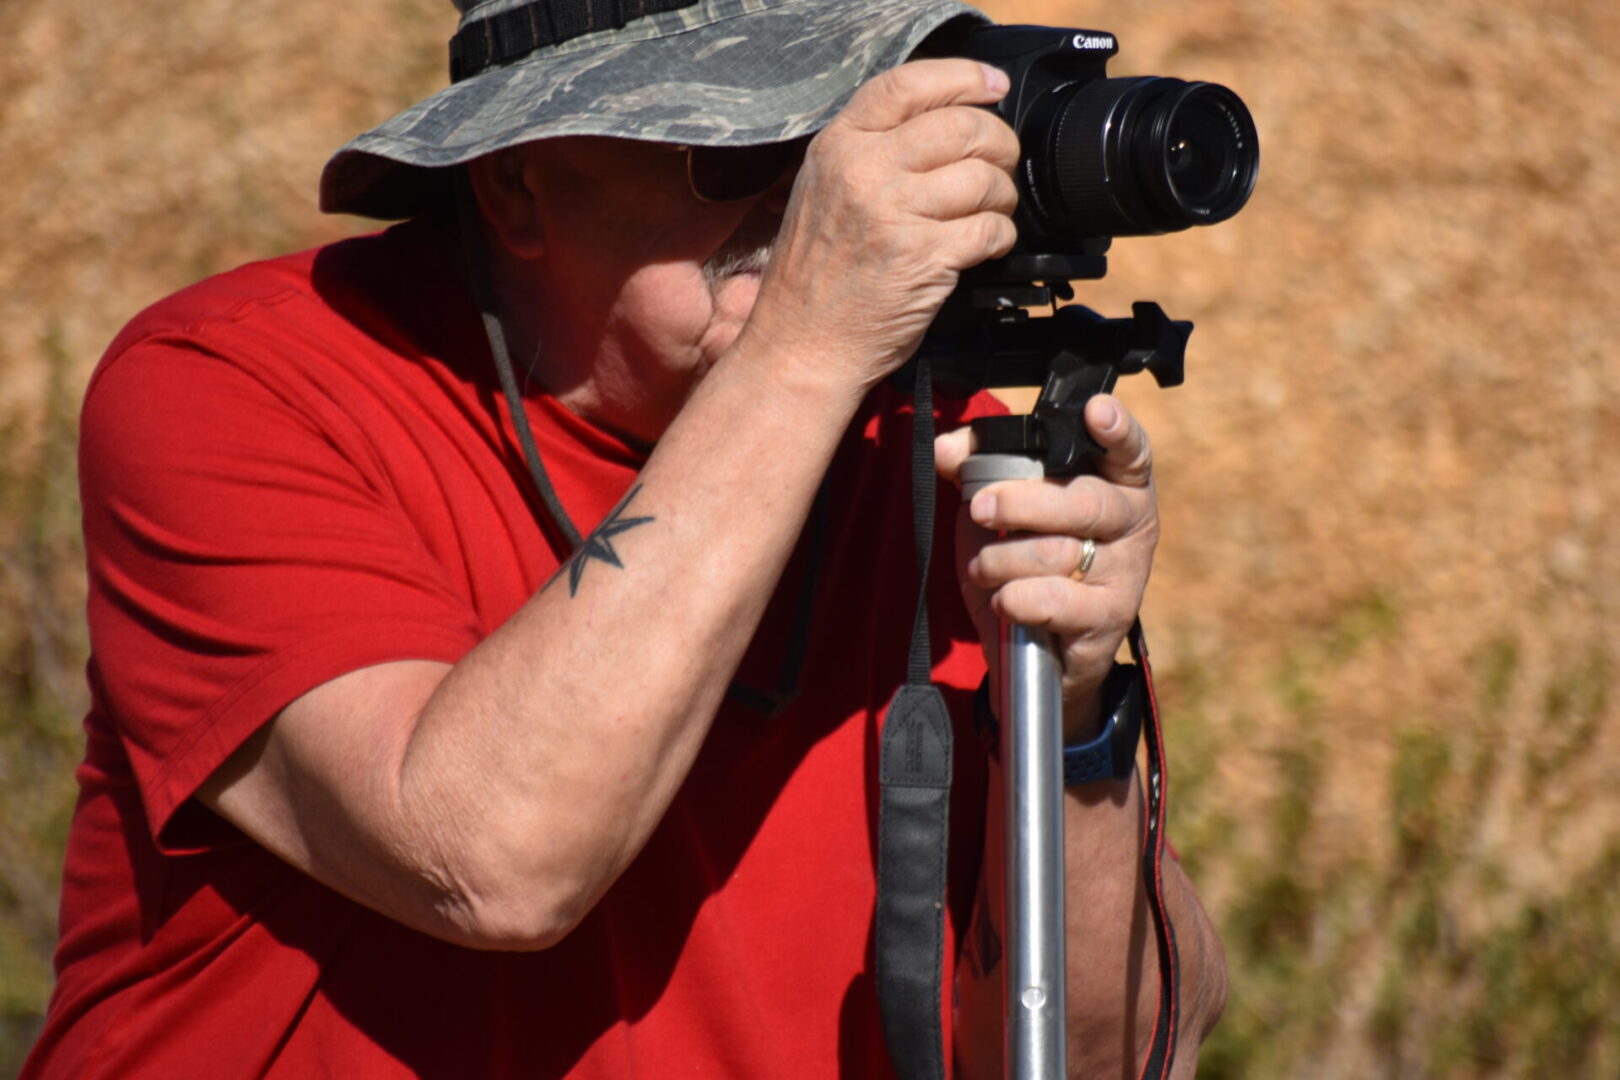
[1387, 607]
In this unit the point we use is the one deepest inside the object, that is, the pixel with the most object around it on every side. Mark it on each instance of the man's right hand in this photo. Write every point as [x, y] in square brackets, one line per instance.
[909, 185]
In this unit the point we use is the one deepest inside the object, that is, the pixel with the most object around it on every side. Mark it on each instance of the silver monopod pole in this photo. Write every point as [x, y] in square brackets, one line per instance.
[1031, 713]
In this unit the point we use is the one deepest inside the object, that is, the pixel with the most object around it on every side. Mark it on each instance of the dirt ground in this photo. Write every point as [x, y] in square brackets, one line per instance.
[1386, 609]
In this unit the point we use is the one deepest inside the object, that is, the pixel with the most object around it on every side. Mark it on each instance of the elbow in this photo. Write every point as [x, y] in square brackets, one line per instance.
[494, 888]
[512, 904]
[519, 927]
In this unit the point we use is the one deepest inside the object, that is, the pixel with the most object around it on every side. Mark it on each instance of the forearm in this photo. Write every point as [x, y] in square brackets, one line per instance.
[577, 721]
[493, 802]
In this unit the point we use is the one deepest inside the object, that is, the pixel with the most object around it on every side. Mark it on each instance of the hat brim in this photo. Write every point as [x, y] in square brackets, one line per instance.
[723, 73]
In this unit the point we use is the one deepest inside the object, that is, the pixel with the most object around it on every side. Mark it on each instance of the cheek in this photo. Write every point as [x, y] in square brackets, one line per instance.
[674, 310]
[667, 305]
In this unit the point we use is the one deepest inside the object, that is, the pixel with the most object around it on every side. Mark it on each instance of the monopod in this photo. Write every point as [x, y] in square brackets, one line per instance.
[1082, 355]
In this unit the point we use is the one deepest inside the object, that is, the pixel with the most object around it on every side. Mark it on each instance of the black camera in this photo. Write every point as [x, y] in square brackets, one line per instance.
[1099, 158]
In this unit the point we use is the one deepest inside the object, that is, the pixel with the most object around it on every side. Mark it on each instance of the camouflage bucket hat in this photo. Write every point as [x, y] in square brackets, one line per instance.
[691, 72]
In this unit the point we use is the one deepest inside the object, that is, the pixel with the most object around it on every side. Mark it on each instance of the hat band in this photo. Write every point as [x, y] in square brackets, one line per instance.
[514, 34]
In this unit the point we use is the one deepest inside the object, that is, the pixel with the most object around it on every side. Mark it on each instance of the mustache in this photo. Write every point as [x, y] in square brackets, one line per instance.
[744, 255]
[730, 263]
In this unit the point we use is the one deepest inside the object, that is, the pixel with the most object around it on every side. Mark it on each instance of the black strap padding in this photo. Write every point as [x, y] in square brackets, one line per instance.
[513, 34]
[914, 808]
[913, 843]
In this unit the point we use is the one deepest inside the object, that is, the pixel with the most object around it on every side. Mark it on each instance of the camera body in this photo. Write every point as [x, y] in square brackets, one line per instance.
[1108, 157]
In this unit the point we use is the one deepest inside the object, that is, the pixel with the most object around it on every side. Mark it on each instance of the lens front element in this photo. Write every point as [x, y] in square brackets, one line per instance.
[1200, 155]
[1199, 152]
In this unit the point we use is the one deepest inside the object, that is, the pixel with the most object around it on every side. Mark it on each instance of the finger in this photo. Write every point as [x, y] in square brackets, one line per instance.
[1083, 506]
[950, 450]
[892, 98]
[941, 136]
[1129, 457]
[1067, 608]
[1026, 556]
[961, 189]
[969, 241]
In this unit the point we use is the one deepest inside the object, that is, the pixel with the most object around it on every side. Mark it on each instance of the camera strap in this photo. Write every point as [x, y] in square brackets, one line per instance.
[914, 801]
[1167, 1016]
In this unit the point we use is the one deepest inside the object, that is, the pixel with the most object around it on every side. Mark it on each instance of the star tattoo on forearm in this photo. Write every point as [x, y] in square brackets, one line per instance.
[599, 545]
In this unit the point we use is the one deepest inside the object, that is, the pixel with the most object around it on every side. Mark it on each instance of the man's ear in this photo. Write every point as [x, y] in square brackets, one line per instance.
[509, 200]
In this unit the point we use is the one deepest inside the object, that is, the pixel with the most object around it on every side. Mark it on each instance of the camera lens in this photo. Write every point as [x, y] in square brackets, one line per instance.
[1198, 156]
[1138, 156]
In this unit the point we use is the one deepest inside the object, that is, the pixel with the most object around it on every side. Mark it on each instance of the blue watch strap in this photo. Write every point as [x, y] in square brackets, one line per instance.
[1112, 754]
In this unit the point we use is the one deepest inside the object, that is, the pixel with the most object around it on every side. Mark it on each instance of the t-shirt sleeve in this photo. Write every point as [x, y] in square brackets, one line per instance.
[239, 555]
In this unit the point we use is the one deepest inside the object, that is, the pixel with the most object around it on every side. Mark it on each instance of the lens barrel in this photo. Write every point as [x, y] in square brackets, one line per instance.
[1138, 156]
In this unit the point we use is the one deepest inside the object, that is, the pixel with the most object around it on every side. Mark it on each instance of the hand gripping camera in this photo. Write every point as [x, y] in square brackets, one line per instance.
[1100, 158]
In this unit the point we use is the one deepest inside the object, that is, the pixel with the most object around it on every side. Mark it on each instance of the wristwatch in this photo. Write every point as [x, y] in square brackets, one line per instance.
[1112, 754]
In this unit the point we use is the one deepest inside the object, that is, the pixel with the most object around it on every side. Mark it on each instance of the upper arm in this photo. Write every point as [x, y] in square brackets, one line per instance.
[240, 555]
[319, 786]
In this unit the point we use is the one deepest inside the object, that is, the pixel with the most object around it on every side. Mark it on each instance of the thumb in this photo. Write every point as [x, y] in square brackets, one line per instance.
[1129, 458]
[950, 450]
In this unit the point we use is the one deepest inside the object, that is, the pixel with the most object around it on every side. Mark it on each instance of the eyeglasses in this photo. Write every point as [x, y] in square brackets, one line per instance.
[730, 173]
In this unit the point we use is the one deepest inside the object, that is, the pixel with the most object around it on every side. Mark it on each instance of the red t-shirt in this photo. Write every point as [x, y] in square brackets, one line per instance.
[301, 468]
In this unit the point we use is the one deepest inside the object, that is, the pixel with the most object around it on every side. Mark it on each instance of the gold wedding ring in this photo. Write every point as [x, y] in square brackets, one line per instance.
[1088, 555]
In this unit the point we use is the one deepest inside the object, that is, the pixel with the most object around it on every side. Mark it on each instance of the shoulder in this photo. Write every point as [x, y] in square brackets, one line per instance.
[235, 296]
[312, 333]
[306, 303]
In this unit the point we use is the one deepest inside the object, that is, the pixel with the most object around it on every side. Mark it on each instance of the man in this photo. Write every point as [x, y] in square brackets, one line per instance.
[389, 774]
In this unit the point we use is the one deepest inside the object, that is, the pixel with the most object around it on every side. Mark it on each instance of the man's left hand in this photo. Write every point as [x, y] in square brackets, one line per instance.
[1019, 546]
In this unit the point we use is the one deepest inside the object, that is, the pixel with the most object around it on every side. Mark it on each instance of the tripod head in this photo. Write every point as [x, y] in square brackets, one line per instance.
[985, 337]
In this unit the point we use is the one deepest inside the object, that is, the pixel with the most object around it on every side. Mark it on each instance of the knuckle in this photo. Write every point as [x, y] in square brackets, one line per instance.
[1082, 511]
[981, 570]
[1038, 598]
[1056, 554]
[992, 189]
[1006, 147]
[1004, 236]
[1004, 192]
[955, 127]
[1143, 461]
[992, 232]
[1054, 596]
[995, 140]
[896, 80]
[825, 144]
[984, 135]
